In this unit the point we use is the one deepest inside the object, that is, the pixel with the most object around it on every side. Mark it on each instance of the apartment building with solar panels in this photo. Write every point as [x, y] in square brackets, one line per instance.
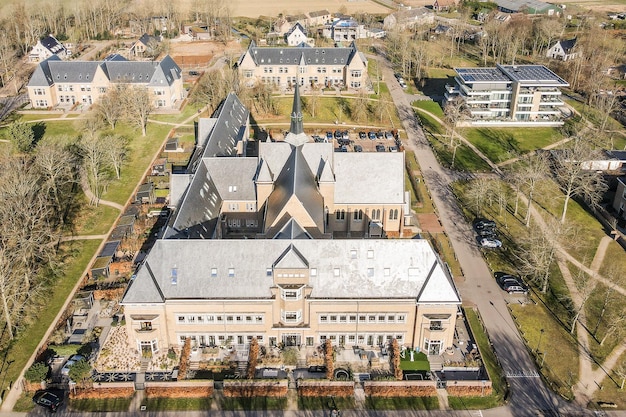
[510, 94]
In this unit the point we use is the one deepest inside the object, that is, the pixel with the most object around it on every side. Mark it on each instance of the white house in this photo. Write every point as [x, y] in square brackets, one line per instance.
[47, 47]
[297, 35]
[563, 50]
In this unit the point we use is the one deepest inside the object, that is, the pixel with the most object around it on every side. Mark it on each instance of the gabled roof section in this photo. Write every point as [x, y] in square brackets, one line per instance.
[327, 173]
[295, 27]
[230, 127]
[42, 77]
[264, 174]
[295, 185]
[144, 288]
[301, 56]
[291, 258]
[233, 177]
[438, 287]
[568, 44]
[52, 44]
[292, 230]
[147, 39]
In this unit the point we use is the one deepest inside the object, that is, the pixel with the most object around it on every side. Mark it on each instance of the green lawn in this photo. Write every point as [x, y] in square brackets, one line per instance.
[326, 403]
[430, 106]
[501, 144]
[92, 220]
[141, 150]
[177, 404]
[611, 389]
[614, 260]
[465, 159]
[423, 203]
[560, 366]
[402, 403]
[419, 363]
[99, 405]
[188, 111]
[253, 403]
[487, 354]
[39, 116]
[76, 256]
[474, 403]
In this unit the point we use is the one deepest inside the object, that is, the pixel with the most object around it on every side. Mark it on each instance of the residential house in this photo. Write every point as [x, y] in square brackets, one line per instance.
[47, 47]
[444, 5]
[509, 93]
[66, 83]
[563, 50]
[297, 35]
[145, 46]
[249, 253]
[319, 18]
[198, 31]
[345, 30]
[284, 67]
[404, 19]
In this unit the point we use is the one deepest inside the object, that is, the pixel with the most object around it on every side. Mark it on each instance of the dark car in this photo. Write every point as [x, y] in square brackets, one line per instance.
[329, 135]
[486, 232]
[194, 73]
[362, 135]
[338, 134]
[371, 135]
[317, 369]
[342, 148]
[380, 135]
[510, 283]
[48, 400]
[358, 148]
[380, 148]
[481, 223]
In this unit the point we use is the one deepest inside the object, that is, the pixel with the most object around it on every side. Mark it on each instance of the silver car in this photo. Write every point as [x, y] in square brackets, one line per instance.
[488, 242]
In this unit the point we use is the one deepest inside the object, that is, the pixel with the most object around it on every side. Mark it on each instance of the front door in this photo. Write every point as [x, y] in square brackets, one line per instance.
[291, 339]
[434, 347]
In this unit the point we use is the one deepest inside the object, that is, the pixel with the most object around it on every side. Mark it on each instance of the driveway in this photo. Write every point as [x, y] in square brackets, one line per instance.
[528, 393]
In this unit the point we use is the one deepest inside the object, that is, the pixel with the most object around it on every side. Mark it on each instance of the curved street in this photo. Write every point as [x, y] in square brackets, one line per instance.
[528, 394]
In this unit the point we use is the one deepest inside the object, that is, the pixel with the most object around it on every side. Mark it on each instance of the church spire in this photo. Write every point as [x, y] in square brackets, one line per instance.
[296, 113]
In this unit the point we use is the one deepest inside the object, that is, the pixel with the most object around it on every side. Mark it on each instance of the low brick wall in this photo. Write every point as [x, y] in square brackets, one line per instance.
[108, 390]
[273, 388]
[469, 388]
[179, 389]
[400, 388]
[325, 388]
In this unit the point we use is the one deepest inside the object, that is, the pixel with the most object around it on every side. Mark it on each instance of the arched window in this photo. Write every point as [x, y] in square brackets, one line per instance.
[358, 215]
[395, 214]
[390, 214]
[376, 214]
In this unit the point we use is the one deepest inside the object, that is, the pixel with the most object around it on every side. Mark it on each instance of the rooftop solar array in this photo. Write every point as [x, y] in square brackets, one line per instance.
[481, 74]
[532, 73]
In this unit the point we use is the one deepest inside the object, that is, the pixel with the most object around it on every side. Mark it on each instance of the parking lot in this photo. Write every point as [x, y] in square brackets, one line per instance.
[353, 140]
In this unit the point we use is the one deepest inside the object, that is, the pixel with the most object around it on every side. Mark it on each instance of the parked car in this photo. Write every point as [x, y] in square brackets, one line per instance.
[317, 369]
[402, 83]
[481, 223]
[380, 135]
[65, 371]
[345, 135]
[358, 148]
[510, 283]
[486, 232]
[338, 134]
[47, 399]
[362, 135]
[329, 136]
[388, 135]
[194, 73]
[372, 135]
[343, 148]
[393, 149]
[489, 242]
[380, 148]
[397, 75]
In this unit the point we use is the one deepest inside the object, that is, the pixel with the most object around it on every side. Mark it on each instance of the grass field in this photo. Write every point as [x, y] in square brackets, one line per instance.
[76, 257]
[177, 404]
[500, 144]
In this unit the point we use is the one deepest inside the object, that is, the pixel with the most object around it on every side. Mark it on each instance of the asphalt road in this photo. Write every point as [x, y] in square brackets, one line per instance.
[528, 395]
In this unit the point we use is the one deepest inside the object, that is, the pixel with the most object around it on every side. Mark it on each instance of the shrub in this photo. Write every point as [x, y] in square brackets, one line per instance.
[184, 359]
[37, 372]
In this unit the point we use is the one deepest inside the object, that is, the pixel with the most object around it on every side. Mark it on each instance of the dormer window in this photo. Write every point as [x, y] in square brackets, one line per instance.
[268, 272]
[336, 272]
[213, 272]
[370, 254]
[353, 254]
[231, 272]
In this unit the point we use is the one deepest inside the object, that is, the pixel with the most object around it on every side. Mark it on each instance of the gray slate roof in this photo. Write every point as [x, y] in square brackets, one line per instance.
[303, 56]
[53, 70]
[52, 44]
[397, 268]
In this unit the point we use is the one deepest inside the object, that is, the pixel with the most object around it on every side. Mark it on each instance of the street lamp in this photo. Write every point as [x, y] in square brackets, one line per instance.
[539, 343]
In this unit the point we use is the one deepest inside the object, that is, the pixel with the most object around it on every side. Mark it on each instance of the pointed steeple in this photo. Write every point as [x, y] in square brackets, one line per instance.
[296, 113]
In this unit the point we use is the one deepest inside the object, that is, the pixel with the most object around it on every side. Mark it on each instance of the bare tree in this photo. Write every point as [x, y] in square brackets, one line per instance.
[138, 107]
[358, 109]
[537, 252]
[313, 102]
[8, 59]
[116, 148]
[94, 163]
[454, 110]
[575, 175]
[58, 165]
[531, 170]
[109, 108]
[584, 287]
